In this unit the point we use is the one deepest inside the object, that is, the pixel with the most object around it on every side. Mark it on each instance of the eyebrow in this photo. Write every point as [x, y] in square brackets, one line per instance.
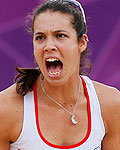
[56, 31]
[39, 33]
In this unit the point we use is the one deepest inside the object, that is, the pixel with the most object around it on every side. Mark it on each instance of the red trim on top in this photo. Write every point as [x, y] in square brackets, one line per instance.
[89, 120]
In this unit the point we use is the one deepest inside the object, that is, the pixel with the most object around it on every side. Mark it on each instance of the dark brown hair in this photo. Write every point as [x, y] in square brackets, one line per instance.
[26, 77]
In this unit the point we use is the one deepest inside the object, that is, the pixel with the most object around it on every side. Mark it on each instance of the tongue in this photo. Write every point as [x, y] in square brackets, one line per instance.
[54, 69]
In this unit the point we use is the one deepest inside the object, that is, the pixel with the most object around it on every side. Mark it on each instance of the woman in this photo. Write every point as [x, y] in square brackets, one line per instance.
[56, 106]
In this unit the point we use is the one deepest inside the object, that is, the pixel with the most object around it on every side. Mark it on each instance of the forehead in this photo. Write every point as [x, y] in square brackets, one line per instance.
[53, 21]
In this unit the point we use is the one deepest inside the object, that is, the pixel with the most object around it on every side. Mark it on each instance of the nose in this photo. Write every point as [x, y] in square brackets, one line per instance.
[50, 45]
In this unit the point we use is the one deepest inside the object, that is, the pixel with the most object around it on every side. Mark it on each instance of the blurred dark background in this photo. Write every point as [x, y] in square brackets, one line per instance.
[103, 19]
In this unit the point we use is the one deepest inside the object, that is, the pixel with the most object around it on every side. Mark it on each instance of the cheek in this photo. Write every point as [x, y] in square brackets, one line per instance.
[72, 58]
[73, 53]
[38, 55]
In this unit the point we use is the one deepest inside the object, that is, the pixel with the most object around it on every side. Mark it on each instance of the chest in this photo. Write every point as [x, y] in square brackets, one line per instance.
[57, 128]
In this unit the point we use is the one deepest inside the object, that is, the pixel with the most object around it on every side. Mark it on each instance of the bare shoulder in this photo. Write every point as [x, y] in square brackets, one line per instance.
[109, 95]
[109, 98]
[11, 105]
[9, 99]
[103, 89]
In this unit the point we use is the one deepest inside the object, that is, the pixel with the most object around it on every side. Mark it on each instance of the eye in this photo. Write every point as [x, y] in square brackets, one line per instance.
[61, 35]
[40, 37]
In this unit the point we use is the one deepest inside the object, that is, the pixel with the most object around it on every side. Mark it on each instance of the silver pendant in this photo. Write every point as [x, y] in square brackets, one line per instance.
[73, 119]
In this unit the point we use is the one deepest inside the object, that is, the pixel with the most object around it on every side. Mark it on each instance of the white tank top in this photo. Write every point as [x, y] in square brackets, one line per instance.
[31, 137]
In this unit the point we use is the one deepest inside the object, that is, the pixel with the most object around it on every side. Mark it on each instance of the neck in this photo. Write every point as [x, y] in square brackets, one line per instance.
[65, 94]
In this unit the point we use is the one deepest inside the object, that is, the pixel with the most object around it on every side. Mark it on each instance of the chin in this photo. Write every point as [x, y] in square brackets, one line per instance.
[56, 81]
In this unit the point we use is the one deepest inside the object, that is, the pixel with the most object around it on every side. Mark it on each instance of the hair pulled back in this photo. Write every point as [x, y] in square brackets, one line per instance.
[26, 77]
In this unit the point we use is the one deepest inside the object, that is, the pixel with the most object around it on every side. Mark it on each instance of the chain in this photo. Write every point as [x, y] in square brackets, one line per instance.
[71, 113]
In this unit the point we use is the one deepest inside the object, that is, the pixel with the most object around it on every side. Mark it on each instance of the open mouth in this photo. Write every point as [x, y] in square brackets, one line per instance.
[54, 66]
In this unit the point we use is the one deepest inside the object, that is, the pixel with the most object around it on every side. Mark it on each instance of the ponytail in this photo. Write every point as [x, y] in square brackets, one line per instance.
[25, 79]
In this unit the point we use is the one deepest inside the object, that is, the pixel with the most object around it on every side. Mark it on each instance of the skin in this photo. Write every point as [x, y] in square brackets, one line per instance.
[57, 127]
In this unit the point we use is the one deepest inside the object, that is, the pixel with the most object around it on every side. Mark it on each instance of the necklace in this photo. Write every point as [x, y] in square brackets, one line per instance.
[71, 113]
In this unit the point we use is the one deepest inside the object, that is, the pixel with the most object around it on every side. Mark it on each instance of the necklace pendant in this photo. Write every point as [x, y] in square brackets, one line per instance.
[73, 120]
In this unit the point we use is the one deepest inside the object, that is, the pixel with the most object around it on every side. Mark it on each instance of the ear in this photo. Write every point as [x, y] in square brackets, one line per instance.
[83, 43]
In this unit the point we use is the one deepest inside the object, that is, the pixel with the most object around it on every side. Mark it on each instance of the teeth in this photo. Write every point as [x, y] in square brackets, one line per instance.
[54, 73]
[52, 59]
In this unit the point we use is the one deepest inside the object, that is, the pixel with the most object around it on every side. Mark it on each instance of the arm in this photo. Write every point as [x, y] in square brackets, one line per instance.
[109, 99]
[4, 130]
[112, 138]
[11, 116]
[4, 140]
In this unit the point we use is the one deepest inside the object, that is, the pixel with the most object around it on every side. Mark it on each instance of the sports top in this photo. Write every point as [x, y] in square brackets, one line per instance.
[31, 137]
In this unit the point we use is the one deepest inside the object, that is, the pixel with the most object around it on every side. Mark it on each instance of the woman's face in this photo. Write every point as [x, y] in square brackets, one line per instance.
[56, 48]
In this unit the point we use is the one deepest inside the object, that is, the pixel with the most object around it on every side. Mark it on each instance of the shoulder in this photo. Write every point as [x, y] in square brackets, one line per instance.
[9, 98]
[10, 107]
[107, 92]
[109, 98]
